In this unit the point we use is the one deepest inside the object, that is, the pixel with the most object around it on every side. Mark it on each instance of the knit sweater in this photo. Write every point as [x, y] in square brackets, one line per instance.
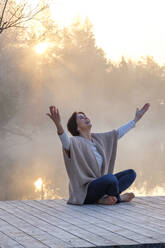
[82, 167]
[65, 139]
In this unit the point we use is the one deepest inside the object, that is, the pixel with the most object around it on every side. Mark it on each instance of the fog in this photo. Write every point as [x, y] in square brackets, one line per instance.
[74, 75]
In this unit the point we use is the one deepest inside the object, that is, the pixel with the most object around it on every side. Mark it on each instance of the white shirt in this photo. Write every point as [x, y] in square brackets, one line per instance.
[120, 132]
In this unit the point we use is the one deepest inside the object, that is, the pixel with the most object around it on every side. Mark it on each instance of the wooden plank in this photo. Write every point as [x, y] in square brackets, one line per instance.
[29, 232]
[7, 242]
[53, 223]
[150, 222]
[143, 214]
[127, 222]
[153, 203]
[97, 228]
[76, 226]
[20, 237]
[54, 233]
[103, 225]
[139, 227]
[140, 222]
[145, 210]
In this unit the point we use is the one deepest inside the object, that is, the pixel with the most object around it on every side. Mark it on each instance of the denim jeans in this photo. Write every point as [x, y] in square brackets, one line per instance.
[110, 184]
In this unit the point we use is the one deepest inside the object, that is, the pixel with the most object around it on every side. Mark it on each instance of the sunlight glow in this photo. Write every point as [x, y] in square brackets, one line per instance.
[38, 184]
[157, 191]
[122, 28]
[41, 47]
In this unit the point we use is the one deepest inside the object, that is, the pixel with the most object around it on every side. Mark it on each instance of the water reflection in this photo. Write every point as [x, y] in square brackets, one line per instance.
[40, 187]
[44, 190]
[143, 191]
[46, 193]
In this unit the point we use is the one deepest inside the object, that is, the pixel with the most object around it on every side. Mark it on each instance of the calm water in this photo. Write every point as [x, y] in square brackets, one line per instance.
[22, 163]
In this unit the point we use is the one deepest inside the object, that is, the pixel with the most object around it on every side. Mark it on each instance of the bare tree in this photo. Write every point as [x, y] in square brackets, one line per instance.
[14, 14]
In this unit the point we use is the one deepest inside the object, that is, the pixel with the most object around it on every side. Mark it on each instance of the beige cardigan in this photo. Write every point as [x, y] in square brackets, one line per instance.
[82, 167]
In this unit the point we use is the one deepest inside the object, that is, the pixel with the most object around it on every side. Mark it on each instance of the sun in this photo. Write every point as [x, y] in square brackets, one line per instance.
[41, 47]
[121, 28]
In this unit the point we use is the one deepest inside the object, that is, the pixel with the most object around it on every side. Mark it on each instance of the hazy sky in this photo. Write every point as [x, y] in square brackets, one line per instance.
[130, 28]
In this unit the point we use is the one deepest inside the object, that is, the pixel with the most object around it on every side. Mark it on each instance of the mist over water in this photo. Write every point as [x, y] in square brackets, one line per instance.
[74, 74]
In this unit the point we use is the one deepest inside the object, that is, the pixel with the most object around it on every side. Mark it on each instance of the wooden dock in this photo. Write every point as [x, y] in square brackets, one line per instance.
[53, 223]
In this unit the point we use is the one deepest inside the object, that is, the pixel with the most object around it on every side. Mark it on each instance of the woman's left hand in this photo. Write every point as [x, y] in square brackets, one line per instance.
[141, 112]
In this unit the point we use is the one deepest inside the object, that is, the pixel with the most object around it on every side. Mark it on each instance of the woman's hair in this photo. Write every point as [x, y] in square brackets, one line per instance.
[72, 124]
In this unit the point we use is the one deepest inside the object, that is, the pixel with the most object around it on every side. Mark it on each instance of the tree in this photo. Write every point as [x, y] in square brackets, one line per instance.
[15, 15]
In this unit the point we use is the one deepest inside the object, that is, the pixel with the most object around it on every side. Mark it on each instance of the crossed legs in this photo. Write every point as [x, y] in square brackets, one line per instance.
[107, 189]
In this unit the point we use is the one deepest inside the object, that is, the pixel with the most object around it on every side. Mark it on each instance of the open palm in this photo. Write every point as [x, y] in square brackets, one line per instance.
[54, 115]
[141, 112]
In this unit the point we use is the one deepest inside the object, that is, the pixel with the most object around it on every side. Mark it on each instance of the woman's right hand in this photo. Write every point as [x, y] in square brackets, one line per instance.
[54, 115]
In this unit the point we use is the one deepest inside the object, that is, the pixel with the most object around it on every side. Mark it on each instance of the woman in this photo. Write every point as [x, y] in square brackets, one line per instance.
[90, 157]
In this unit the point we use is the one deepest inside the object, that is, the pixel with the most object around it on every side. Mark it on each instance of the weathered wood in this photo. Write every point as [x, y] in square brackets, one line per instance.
[6, 241]
[35, 219]
[123, 222]
[53, 223]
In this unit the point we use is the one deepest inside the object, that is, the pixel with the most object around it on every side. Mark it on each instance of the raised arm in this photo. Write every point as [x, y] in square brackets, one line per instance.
[127, 127]
[55, 117]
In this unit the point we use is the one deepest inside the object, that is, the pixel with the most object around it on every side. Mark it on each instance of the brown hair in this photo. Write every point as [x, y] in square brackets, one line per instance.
[72, 124]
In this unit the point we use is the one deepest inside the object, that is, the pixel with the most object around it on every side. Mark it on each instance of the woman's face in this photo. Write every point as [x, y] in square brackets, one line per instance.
[83, 122]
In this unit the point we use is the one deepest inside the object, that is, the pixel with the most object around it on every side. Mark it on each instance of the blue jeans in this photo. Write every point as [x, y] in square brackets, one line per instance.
[110, 184]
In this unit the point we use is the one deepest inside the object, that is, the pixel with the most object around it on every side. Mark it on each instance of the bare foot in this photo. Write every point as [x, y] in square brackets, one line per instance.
[127, 197]
[108, 200]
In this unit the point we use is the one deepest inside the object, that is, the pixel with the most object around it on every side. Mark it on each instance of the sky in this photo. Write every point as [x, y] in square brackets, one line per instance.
[130, 28]
[127, 28]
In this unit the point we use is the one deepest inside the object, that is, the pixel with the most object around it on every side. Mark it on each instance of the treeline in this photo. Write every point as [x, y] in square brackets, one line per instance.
[73, 74]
